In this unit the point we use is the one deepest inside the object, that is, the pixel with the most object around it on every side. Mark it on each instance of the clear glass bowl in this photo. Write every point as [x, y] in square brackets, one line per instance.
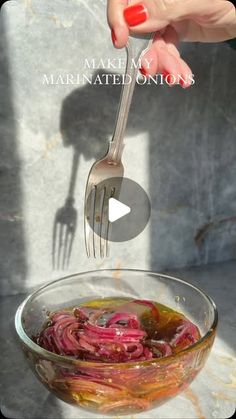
[123, 388]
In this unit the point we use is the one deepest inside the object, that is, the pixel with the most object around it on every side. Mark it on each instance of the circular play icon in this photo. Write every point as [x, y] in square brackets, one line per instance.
[118, 209]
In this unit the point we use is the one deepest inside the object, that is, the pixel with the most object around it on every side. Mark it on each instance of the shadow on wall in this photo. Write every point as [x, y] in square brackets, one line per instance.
[13, 266]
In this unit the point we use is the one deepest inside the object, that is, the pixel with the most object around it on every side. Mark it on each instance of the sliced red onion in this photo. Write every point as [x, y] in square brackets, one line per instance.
[86, 345]
[186, 334]
[163, 348]
[105, 336]
[118, 333]
[84, 383]
[147, 353]
[134, 350]
[58, 316]
[68, 338]
[151, 305]
[80, 314]
[130, 320]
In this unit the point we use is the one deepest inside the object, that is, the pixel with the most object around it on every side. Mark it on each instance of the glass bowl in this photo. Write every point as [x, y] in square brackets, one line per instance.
[121, 388]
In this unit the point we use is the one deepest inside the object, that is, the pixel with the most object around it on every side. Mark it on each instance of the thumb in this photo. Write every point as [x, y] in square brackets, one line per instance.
[154, 15]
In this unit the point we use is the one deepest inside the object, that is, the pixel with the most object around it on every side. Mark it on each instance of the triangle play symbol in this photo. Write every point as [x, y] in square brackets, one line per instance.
[117, 210]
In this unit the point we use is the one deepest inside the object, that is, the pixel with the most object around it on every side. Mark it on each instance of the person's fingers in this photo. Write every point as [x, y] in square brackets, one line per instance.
[154, 15]
[161, 61]
[164, 58]
[166, 41]
[219, 13]
[150, 63]
[160, 58]
[144, 16]
[190, 31]
[171, 39]
[194, 20]
[116, 21]
[186, 78]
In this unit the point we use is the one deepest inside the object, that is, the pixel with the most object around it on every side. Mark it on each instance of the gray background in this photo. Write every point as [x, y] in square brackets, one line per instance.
[180, 146]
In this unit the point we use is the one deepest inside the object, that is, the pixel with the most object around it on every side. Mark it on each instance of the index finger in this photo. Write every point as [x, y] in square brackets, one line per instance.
[116, 21]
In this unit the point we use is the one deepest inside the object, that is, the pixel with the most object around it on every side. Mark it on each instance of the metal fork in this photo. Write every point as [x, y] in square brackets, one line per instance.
[105, 176]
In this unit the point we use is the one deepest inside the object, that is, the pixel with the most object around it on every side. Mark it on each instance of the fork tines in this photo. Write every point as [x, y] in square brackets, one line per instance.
[96, 219]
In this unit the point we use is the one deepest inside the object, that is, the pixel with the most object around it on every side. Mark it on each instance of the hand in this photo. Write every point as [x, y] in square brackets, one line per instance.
[173, 21]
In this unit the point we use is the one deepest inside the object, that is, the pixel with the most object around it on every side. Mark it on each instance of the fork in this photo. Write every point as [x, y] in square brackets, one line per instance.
[105, 176]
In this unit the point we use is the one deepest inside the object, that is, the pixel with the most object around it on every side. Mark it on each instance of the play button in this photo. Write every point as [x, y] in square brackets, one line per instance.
[118, 209]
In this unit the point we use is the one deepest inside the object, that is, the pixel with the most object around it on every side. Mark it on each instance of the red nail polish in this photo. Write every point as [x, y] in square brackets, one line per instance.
[169, 78]
[136, 14]
[182, 83]
[143, 71]
[166, 74]
[113, 36]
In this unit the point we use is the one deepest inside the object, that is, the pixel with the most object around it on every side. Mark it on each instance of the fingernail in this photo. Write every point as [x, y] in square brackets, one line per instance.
[113, 36]
[166, 74]
[136, 14]
[170, 80]
[143, 71]
[182, 83]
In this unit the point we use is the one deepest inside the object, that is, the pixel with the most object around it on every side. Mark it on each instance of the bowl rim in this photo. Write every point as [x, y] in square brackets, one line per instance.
[50, 356]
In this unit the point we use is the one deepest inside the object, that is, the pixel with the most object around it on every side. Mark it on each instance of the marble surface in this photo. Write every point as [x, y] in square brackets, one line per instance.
[211, 395]
[183, 143]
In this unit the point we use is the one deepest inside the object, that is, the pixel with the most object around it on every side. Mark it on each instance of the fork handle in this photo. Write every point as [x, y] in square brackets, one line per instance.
[135, 48]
